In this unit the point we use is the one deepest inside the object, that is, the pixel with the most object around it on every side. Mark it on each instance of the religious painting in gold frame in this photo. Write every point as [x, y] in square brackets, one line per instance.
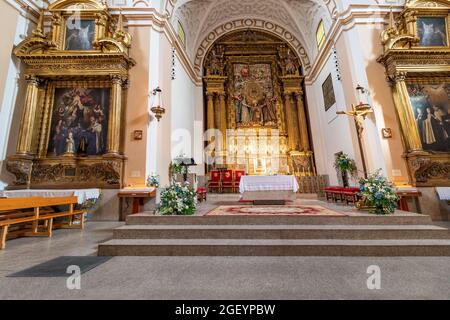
[79, 121]
[80, 108]
[432, 31]
[79, 34]
[431, 108]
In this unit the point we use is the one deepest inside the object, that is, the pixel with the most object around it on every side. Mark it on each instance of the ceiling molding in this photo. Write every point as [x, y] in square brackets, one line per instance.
[257, 24]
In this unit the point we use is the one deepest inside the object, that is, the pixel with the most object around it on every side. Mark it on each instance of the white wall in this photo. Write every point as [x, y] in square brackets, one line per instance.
[177, 132]
[330, 133]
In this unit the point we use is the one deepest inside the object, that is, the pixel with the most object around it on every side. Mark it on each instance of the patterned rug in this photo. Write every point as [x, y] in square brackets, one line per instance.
[288, 210]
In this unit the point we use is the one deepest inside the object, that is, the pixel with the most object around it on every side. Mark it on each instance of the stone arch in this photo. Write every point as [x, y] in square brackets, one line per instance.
[256, 24]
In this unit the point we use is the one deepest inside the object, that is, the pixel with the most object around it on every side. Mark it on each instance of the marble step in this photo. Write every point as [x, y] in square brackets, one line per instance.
[281, 232]
[265, 247]
[355, 219]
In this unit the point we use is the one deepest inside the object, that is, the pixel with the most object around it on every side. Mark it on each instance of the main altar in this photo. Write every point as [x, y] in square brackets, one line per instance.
[255, 112]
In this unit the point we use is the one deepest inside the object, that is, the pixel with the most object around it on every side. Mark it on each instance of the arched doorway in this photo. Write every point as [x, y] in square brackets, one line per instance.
[254, 99]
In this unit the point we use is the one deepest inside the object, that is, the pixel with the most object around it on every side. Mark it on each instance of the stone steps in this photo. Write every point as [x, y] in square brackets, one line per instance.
[360, 219]
[362, 232]
[264, 247]
[402, 234]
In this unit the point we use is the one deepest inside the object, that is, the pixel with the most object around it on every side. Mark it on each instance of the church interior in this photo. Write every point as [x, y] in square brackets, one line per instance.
[224, 128]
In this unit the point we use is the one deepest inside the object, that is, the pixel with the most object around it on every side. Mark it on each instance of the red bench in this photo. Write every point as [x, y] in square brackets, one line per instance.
[349, 195]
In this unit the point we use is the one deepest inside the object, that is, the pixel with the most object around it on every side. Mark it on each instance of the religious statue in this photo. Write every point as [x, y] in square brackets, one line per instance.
[70, 144]
[291, 63]
[238, 105]
[269, 109]
[215, 62]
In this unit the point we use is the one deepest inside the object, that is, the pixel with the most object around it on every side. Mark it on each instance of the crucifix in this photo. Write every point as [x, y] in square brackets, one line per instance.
[359, 113]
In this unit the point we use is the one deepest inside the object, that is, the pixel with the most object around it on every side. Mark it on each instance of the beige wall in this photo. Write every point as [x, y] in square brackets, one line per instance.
[136, 116]
[8, 23]
[383, 102]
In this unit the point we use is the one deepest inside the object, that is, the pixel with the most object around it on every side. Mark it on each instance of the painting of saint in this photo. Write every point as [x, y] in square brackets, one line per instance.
[79, 35]
[79, 121]
[432, 31]
[254, 101]
[431, 107]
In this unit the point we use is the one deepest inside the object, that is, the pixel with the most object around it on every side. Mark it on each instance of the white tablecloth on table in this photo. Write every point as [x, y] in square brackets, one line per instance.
[443, 193]
[268, 183]
[81, 194]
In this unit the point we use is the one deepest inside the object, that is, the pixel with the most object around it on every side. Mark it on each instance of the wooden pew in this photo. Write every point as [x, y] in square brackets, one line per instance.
[34, 210]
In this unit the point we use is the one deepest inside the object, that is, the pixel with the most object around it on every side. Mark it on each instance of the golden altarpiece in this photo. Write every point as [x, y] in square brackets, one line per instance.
[71, 132]
[417, 61]
[254, 96]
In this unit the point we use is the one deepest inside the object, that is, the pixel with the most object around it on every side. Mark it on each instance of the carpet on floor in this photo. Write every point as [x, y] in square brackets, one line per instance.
[287, 210]
[58, 267]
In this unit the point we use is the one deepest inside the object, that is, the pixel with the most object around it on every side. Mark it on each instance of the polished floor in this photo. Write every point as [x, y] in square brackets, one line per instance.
[215, 277]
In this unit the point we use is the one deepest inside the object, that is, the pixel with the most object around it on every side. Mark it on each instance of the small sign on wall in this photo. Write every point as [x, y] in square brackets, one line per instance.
[137, 135]
[386, 133]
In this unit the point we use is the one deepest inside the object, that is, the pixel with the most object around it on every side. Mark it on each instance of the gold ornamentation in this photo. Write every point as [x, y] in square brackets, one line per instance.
[406, 62]
[103, 62]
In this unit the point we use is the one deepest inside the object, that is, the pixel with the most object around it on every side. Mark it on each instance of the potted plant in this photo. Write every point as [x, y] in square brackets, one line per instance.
[153, 181]
[345, 165]
[378, 193]
[178, 199]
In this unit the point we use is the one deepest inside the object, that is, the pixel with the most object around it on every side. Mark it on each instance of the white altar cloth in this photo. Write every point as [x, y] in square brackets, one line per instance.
[444, 193]
[81, 194]
[268, 183]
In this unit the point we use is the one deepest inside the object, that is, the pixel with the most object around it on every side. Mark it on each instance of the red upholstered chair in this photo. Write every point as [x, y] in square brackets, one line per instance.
[227, 180]
[237, 179]
[201, 194]
[215, 181]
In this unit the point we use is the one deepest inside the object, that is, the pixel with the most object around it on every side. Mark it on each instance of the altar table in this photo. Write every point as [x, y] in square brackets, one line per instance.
[138, 196]
[268, 183]
[82, 194]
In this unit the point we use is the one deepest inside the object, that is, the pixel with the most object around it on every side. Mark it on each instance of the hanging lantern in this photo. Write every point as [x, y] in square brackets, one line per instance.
[157, 108]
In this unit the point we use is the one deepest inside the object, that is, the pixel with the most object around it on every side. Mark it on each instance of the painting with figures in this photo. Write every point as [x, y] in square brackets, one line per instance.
[253, 95]
[431, 107]
[79, 121]
[432, 31]
[79, 34]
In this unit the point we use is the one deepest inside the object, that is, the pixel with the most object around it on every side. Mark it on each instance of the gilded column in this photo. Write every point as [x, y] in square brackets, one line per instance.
[303, 126]
[115, 113]
[210, 110]
[28, 115]
[405, 113]
[223, 119]
[289, 119]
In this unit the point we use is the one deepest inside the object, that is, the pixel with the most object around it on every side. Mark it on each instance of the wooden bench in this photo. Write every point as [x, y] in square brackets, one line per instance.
[14, 211]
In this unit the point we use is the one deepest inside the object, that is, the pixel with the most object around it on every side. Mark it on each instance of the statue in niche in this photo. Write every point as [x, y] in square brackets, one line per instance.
[291, 63]
[215, 61]
[269, 109]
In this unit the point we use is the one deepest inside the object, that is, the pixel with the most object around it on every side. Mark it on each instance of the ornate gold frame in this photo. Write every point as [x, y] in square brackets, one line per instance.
[407, 62]
[49, 66]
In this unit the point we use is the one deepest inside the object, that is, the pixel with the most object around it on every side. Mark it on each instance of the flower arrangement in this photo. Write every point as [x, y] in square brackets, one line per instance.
[344, 163]
[379, 193]
[153, 181]
[178, 199]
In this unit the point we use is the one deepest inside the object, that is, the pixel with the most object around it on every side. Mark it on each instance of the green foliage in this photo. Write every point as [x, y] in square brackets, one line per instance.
[153, 181]
[343, 163]
[379, 193]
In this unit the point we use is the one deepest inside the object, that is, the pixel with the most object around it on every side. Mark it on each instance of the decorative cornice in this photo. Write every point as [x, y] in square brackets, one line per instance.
[255, 23]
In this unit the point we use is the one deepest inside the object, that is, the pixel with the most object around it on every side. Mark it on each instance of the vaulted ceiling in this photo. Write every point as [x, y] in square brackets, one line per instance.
[203, 20]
